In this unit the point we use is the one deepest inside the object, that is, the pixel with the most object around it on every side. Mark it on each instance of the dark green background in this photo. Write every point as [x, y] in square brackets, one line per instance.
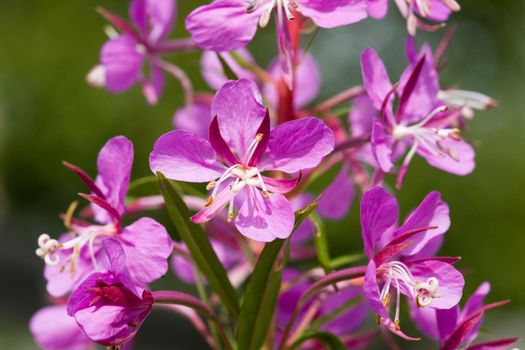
[48, 114]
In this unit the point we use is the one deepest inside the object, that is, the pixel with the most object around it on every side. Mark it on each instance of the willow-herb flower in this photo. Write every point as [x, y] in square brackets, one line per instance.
[79, 253]
[240, 148]
[108, 306]
[401, 261]
[138, 45]
[459, 327]
[422, 123]
[227, 25]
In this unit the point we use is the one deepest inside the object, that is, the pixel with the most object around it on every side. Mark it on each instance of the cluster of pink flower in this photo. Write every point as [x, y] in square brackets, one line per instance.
[250, 244]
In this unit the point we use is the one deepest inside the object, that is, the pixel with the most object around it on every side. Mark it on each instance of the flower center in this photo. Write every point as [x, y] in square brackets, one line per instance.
[82, 237]
[241, 176]
[266, 7]
[397, 275]
[431, 138]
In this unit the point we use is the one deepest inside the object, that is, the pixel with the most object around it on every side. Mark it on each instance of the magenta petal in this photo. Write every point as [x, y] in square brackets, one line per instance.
[114, 164]
[260, 149]
[298, 145]
[375, 77]
[361, 117]
[240, 111]
[219, 145]
[350, 320]
[377, 8]
[184, 156]
[110, 324]
[195, 118]
[337, 197]
[153, 86]
[463, 165]
[334, 13]
[162, 14]
[425, 320]
[223, 25]
[213, 71]
[439, 12]
[53, 329]
[122, 63]
[307, 82]
[263, 219]
[431, 212]
[450, 280]
[379, 212]
[147, 246]
[219, 202]
[281, 185]
[474, 303]
[500, 344]
[382, 146]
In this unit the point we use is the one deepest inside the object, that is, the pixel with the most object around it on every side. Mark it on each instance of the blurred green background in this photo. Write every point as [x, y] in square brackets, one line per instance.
[48, 114]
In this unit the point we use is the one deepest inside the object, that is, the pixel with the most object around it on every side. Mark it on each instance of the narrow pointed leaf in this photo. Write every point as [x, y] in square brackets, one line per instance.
[199, 246]
[321, 244]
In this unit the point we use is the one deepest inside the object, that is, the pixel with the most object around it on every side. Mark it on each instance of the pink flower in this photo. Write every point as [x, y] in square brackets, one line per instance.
[240, 148]
[77, 254]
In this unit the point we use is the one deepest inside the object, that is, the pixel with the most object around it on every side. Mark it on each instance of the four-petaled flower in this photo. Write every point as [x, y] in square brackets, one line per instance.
[240, 148]
[401, 258]
[76, 255]
[421, 122]
[124, 56]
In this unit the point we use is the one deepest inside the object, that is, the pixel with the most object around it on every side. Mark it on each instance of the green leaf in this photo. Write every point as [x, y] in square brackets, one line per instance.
[321, 244]
[199, 246]
[263, 289]
[260, 299]
[328, 339]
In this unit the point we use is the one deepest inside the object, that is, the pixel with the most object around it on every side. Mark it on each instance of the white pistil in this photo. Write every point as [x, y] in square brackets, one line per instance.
[243, 176]
[97, 76]
[468, 101]
[266, 7]
[48, 247]
[430, 138]
[398, 274]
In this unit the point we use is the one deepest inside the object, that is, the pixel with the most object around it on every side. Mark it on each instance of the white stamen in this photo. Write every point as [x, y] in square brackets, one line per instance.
[48, 247]
[266, 7]
[469, 100]
[397, 274]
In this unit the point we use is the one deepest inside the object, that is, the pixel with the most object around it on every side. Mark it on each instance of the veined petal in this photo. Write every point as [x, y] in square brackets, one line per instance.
[382, 146]
[218, 203]
[337, 198]
[154, 18]
[223, 25]
[281, 185]
[213, 71]
[147, 246]
[375, 77]
[307, 82]
[240, 111]
[114, 164]
[377, 8]
[451, 281]
[431, 212]
[265, 219]
[379, 212]
[298, 145]
[362, 115]
[184, 156]
[334, 13]
[195, 118]
[425, 320]
[122, 63]
[53, 328]
[464, 152]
